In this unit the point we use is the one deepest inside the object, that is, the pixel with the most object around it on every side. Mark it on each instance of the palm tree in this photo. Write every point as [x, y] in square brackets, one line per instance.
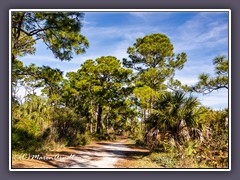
[175, 114]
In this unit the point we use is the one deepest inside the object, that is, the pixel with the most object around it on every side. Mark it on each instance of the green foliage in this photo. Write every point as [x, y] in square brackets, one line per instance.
[145, 94]
[105, 137]
[102, 82]
[166, 160]
[150, 51]
[22, 44]
[170, 108]
[140, 142]
[207, 84]
[60, 31]
[17, 70]
[35, 128]
[211, 153]
[153, 56]
[154, 78]
[23, 140]
[192, 155]
[29, 121]
[79, 140]
[68, 125]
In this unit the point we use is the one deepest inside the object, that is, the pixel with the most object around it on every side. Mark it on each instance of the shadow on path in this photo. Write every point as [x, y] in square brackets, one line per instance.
[95, 155]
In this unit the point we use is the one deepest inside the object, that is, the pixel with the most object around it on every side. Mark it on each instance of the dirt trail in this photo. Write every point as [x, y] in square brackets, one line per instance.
[102, 154]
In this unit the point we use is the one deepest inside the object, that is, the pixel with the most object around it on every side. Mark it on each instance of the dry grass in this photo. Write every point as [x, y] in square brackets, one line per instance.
[137, 158]
[137, 163]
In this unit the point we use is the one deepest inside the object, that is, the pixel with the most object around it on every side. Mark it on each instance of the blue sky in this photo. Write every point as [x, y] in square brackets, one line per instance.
[202, 35]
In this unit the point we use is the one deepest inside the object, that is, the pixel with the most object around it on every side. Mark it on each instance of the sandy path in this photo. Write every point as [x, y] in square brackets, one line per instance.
[101, 155]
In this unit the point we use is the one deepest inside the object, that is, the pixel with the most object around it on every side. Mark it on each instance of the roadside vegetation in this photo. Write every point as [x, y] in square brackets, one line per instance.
[137, 97]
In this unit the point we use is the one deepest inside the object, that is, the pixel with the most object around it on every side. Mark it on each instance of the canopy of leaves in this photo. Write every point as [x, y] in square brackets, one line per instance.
[101, 83]
[208, 84]
[153, 57]
[104, 77]
[153, 51]
[60, 31]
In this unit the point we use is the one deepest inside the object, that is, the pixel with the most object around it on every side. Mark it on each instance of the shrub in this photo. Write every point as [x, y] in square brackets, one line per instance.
[105, 137]
[79, 140]
[167, 160]
[23, 141]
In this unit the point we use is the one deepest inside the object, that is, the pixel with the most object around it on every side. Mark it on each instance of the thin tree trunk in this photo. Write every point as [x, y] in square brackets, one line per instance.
[91, 126]
[107, 123]
[107, 120]
[151, 105]
[91, 123]
[95, 118]
[144, 119]
[99, 119]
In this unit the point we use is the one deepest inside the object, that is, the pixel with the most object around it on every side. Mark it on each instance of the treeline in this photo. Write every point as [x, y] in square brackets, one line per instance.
[139, 97]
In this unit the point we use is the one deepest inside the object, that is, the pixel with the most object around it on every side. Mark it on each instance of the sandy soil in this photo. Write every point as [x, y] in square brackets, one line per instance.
[102, 154]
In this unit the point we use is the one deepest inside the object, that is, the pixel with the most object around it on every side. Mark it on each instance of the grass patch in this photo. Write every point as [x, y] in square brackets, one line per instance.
[145, 163]
[164, 159]
[105, 137]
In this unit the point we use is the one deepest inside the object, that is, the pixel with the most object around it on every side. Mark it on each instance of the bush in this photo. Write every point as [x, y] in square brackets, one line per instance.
[140, 142]
[167, 160]
[79, 140]
[138, 138]
[23, 141]
[105, 137]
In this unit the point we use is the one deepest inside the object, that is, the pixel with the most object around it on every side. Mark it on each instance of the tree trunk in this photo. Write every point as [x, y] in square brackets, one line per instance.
[91, 117]
[182, 132]
[91, 126]
[99, 119]
[143, 120]
[151, 106]
[107, 118]
[107, 123]
[89, 120]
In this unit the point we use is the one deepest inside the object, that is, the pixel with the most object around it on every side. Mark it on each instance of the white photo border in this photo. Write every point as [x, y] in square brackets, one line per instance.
[121, 169]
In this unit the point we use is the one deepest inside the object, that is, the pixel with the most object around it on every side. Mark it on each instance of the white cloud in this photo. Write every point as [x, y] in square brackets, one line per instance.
[87, 23]
[112, 40]
[35, 58]
[193, 68]
[201, 31]
[215, 32]
[187, 80]
[139, 14]
[217, 99]
[128, 31]
[146, 14]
